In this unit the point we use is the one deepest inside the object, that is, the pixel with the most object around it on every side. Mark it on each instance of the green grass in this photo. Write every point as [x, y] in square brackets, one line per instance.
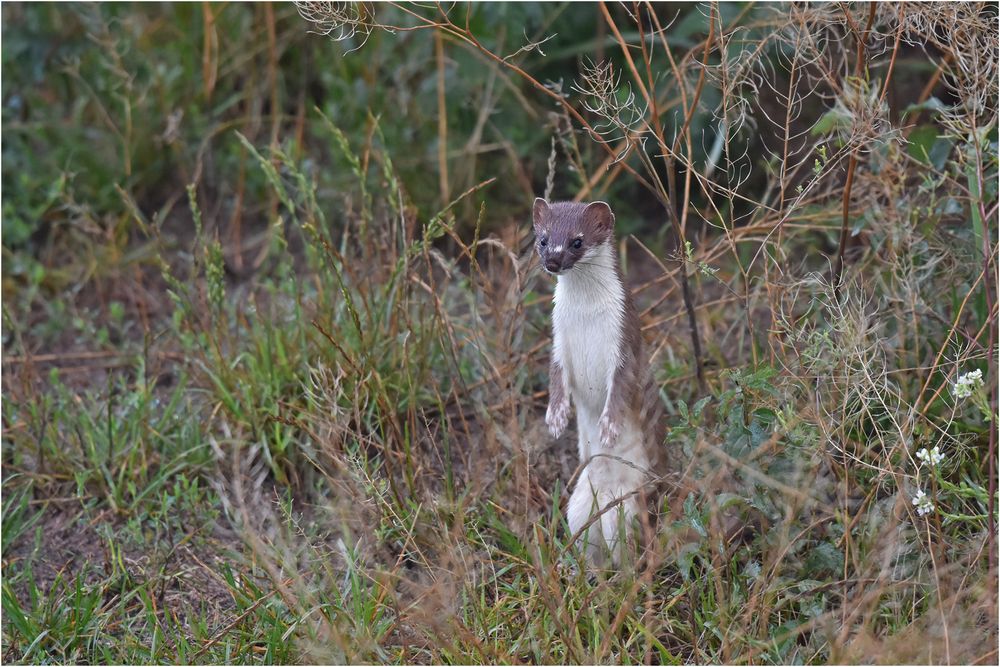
[274, 394]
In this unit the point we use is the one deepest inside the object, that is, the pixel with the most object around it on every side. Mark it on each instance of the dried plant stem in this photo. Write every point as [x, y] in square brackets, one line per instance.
[838, 268]
[210, 48]
[442, 120]
[272, 73]
[990, 279]
[672, 185]
[852, 163]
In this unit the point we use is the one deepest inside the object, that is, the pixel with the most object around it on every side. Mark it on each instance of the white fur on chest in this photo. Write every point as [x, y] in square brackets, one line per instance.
[587, 328]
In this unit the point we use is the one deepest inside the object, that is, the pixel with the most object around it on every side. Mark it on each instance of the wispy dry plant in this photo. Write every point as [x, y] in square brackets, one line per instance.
[340, 21]
[622, 118]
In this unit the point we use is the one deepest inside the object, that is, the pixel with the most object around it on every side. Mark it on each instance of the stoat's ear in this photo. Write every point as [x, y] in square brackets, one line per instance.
[539, 212]
[598, 216]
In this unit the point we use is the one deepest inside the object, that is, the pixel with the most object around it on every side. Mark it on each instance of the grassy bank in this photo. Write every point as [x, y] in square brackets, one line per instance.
[275, 344]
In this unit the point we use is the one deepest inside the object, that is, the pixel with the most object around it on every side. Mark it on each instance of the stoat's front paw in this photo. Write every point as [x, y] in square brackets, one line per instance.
[610, 430]
[557, 418]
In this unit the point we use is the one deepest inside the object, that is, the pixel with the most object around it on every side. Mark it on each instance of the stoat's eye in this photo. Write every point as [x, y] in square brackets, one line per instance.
[577, 244]
[544, 241]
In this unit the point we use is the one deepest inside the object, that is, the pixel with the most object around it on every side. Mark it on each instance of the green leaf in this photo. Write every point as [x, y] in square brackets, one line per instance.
[760, 431]
[725, 500]
[927, 146]
[830, 121]
[930, 104]
[693, 516]
[921, 141]
[699, 407]
[824, 558]
[685, 560]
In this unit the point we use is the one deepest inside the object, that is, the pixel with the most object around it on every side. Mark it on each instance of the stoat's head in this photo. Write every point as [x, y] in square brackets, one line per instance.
[566, 231]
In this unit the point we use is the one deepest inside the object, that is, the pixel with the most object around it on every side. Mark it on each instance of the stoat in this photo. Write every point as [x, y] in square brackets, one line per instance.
[598, 366]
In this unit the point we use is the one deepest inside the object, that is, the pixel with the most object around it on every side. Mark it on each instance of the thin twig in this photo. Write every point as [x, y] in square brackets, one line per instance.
[852, 163]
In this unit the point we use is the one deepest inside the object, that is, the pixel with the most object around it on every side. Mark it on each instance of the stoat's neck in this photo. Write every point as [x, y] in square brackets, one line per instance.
[594, 282]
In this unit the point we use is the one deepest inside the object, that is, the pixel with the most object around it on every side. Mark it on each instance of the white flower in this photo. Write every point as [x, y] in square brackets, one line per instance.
[967, 384]
[933, 456]
[923, 503]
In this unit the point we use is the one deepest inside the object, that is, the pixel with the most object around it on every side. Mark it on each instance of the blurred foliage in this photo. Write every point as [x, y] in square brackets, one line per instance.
[100, 99]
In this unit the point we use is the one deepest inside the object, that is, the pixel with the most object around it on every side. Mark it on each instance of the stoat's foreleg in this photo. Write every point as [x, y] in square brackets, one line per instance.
[557, 414]
[621, 395]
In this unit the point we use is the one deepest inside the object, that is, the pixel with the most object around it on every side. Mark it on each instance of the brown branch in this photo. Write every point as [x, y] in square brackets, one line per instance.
[442, 120]
[852, 163]
[991, 368]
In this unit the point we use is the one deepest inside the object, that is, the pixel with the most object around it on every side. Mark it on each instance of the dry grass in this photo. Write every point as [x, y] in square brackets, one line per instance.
[364, 409]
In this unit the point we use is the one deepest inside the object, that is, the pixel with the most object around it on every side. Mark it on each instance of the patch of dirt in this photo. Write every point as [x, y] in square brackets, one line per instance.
[59, 545]
[184, 578]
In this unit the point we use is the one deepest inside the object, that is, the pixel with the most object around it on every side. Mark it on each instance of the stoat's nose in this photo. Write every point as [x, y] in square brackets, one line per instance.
[553, 263]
